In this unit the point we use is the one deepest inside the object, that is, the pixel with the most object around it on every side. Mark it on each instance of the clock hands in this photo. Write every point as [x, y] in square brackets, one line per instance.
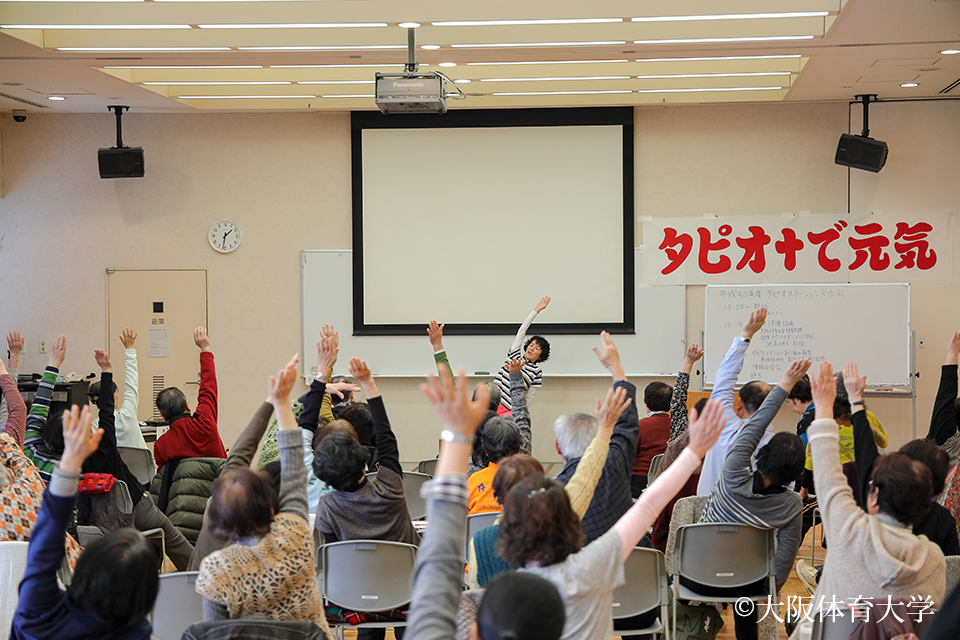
[225, 238]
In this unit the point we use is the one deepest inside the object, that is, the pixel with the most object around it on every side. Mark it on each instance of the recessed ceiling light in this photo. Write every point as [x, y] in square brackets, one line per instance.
[950, 52]
[55, 98]
[667, 76]
[555, 79]
[462, 81]
[296, 25]
[554, 93]
[909, 85]
[141, 49]
[448, 64]
[733, 16]
[408, 25]
[709, 89]
[700, 59]
[349, 95]
[171, 66]
[737, 39]
[359, 47]
[94, 26]
[430, 46]
[504, 45]
[217, 83]
[333, 66]
[493, 64]
[506, 23]
[336, 82]
[239, 97]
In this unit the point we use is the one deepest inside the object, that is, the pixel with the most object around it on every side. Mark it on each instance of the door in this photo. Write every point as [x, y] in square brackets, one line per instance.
[163, 307]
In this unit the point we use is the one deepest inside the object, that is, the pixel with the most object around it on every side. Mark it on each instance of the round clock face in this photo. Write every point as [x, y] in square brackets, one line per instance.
[224, 235]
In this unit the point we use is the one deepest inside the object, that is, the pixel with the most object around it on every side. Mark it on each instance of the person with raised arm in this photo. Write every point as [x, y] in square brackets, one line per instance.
[534, 351]
[115, 583]
[43, 441]
[872, 553]
[945, 420]
[514, 605]
[15, 344]
[127, 424]
[737, 410]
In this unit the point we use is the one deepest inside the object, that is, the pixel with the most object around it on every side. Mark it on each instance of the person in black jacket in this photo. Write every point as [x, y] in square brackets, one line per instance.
[945, 421]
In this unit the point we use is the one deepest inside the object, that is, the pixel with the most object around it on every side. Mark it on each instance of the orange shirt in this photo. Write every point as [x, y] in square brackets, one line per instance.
[480, 488]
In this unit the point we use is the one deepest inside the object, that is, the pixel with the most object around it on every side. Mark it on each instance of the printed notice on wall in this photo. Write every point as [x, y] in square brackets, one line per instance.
[158, 342]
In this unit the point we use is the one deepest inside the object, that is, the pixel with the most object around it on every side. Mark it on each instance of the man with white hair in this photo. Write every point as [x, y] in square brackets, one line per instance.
[574, 432]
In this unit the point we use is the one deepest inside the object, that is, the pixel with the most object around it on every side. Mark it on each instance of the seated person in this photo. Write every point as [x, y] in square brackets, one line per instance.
[762, 498]
[535, 350]
[654, 433]
[126, 421]
[15, 343]
[43, 440]
[115, 583]
[515, 605]
[872, 553]
[191, 436]
[268, 568]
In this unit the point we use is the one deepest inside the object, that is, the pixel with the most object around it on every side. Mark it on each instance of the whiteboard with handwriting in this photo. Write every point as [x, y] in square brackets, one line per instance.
[867, 323]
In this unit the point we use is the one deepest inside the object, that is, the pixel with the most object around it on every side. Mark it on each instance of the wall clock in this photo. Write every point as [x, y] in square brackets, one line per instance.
[224, 235]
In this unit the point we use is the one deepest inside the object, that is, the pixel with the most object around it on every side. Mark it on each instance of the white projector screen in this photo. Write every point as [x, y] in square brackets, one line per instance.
[472, 225]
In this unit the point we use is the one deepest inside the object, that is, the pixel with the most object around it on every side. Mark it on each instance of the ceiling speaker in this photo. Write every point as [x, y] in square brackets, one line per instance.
[861, 152]
[121, 163]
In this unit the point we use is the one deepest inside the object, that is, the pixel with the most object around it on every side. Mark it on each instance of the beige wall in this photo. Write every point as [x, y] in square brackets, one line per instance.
[285, 178]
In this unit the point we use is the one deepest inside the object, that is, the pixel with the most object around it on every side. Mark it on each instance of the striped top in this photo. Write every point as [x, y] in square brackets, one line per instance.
[43, 457]
[532, 375]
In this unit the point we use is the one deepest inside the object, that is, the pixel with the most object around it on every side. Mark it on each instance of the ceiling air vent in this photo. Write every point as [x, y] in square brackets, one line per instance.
[950, 87]
[32, 104]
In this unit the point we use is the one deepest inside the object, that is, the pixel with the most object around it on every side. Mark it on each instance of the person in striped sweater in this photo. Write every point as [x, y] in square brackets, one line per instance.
[44, 454]
[534, 351]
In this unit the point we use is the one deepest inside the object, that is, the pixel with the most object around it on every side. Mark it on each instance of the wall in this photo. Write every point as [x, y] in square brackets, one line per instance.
[285, 178]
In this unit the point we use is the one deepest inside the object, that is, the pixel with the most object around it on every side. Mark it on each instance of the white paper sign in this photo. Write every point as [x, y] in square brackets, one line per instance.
[158, 342]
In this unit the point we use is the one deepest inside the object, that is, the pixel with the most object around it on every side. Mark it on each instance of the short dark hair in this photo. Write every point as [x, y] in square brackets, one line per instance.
[934, 457]
[753, 394]
[359, 416]
[501, 438]
[94, 391]
[544, 347]
[512, 470]
[242, 504]
[781, 460]
[656, 396]
[116, 578]
[899, 481]
[520, 605]
[538, 524]
[801, 390]
[339, 461]
[330, 428]
[52, 431]
[171, 402]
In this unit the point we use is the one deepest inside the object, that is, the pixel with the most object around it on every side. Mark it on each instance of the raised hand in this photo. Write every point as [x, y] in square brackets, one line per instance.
[458, 412]
[706, 427]
[128, 337]
[953, 349]
[694, 353]
[15, 343]
[794, 372]
[515, 365]
[360, 371]
[754, 323]
[337, 388]
[327, 351]
[853, 383]
[201, 339]
[58, 351]
[435, 333]
[610, 411]
[281, 385]
[78, 441]
[544, 301]
[823, 387]
[103, 360]
[330, 332]
[609, 356]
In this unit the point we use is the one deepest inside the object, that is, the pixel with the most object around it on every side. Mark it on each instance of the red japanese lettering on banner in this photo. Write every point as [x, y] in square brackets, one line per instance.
[676, 256]
[915, 249]
[871, 247]
[753, 250]
[824, 238]
[706, 246]
[788, 248]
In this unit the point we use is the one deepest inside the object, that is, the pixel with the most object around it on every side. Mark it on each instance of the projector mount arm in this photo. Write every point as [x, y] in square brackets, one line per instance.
[865, 99]
[118, 109]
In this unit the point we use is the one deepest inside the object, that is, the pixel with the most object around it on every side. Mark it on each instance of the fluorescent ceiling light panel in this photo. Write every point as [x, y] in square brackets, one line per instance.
[55, 98]
[336, 82]
[950, 52]
[737, 39]
[462, 81]
[296, 25]
[770, 57]
[141, 49]
[94, 27]
[909, 85]
[732, 16]
[495, 64]
[333, 66]
[350, 95]
[430, 47]
[714, 75]
[216, 83]
[205, 66]
[709, 90]
[555, 79]
[408, 25]
[505, 45]
[554, 93]
[238, 97]
[359, 47]
[507, 23]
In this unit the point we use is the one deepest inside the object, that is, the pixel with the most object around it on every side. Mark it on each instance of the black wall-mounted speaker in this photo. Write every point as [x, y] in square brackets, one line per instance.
[861, 153]
[121, 163]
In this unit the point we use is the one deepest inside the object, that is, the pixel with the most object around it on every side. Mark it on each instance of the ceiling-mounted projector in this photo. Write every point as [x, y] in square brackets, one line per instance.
[411, 93]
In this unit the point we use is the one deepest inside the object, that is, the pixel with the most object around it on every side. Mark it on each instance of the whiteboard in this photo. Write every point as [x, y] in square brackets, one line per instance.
[867, 323]
[326, 278]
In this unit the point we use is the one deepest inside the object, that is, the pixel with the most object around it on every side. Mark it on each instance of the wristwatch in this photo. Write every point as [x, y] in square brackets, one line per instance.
[452, 436]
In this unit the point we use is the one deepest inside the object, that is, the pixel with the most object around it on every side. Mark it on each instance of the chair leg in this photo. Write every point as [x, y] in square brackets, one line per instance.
[675, 602]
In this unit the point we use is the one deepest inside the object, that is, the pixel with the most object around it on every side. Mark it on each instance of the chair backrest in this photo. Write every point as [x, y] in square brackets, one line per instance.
[254, 628]
[654, 470]
[475, 523]
[724, 555]
[121, 493]
[685, 511]
[178, 605]
[428, 467]
[140, 462]
[953, 572]
[645, 584]
[834, 625]
[367, 575]
[13, 564]
[412, 482]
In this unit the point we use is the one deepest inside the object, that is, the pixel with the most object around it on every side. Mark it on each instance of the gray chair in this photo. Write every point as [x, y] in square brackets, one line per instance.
[125, 505]
[475, 523]
[13, 564]
[412, 482]
[428, 467]
[254, 627]
[140, 462]
[645, 588]
[724, 555]
[367, 575]
[177, 607]
[654, 470]
[953, 572]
